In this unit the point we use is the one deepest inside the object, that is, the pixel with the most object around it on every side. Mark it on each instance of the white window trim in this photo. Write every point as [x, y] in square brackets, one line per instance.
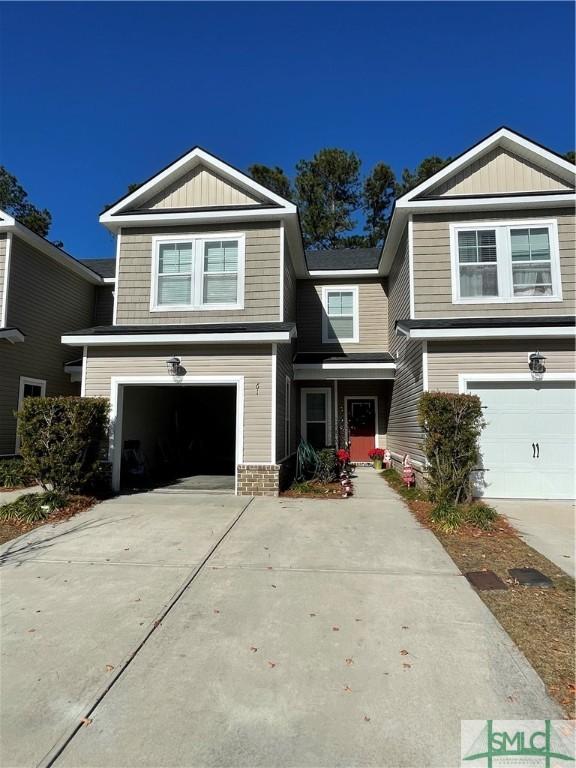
[303, 421]
[197, 272]
[467, 379]
[503, 260]
[35, 383]
[326, 289]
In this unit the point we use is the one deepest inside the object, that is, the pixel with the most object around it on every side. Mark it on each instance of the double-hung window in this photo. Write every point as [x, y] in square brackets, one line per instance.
[315, 411]
[505, 261]
[198, 273]
[340, 315]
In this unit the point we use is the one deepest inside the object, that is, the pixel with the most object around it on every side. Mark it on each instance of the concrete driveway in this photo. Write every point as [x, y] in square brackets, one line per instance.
[206, 630]
[547, 526]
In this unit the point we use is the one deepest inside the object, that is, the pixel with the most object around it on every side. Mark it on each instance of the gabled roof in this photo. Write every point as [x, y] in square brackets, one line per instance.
[264, 198]
[421, 199]
[507, 139]
[11, 225]
[256, 202]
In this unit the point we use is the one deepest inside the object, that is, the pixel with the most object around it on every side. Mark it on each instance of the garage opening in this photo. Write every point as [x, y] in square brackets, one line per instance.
[181, 437]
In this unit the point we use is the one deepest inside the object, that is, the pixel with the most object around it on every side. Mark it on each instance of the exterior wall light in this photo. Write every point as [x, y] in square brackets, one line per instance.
[173, 366]
[536, 365]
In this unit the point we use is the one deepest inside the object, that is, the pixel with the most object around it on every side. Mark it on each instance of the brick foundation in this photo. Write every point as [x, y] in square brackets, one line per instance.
[258, 479]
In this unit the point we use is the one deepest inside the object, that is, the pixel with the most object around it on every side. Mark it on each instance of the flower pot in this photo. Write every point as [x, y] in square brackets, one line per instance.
[377, 464]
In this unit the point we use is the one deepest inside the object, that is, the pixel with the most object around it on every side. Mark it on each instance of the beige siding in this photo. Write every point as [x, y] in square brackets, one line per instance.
[104, 305]
[447, 359]
[254, 363]
[432, 266]
[262, 276]
[373, 320]
[201, 188]
[404, 433]
[3, 242]
[289, 285]
[283, 370]
[399, 291]
[500, 172]
[46, 300]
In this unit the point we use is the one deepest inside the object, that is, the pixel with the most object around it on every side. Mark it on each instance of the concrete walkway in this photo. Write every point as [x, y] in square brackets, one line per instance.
[218, 631]
[547, 526]
[6, 496]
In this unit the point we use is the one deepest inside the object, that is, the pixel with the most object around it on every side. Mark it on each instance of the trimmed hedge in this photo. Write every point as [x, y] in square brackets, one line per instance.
[452, 425]
[61, 440]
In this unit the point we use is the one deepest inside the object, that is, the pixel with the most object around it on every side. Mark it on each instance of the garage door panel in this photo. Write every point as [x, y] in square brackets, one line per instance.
[518, 414]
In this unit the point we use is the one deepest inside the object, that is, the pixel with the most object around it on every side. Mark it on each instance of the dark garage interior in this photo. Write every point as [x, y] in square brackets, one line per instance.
[184, 435]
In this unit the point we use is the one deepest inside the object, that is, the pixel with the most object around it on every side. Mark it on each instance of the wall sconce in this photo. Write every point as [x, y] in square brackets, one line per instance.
[173, 366]
[536, 365]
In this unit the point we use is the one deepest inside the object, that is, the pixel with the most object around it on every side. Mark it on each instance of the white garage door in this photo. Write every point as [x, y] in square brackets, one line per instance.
[528, 444]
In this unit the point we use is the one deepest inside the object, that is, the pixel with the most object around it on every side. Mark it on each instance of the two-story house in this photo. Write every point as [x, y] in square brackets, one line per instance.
[229, 343]
[43, 293]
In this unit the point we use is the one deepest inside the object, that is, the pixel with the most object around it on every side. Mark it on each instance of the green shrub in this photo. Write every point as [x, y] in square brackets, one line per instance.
[481, 516]
[452, 425]
[447, 517]
[61, 440]
[13, 473]
[33, 507]
[306, 461]
[326, 466]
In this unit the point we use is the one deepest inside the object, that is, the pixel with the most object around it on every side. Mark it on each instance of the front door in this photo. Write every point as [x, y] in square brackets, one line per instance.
[361, 416]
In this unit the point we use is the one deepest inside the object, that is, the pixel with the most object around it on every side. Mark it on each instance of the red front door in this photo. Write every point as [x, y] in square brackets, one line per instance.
[361, 428]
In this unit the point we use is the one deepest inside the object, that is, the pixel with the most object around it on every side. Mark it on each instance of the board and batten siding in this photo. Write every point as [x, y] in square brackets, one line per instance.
[3, 271]
[500, 171]
[46, 301]
[433, 266]
[448, 359]
[261, 283]
[404, 434]
[372, 308]
[252, 362]
[200, 188]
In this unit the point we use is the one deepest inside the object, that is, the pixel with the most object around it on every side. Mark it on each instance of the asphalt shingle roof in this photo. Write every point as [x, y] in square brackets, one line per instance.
[343, 258]
[103, 267]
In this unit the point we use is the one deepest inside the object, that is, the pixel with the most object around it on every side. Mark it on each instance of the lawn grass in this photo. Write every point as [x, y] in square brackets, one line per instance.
[539, 621]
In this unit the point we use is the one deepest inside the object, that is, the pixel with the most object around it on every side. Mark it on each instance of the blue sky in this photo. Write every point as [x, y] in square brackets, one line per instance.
[94, 96]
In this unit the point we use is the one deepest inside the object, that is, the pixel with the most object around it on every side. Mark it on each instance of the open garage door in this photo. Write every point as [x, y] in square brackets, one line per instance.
[528, 444]
[183, 437]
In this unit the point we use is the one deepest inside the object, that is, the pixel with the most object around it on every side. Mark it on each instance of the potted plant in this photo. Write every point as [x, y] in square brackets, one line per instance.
[377, 456]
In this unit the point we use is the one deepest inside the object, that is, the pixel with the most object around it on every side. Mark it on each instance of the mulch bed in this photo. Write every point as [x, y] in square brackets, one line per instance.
[315, 491]
[539, 620]
[12, 529]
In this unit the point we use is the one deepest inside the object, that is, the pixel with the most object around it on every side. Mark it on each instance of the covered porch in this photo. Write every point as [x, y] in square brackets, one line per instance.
[344, 400]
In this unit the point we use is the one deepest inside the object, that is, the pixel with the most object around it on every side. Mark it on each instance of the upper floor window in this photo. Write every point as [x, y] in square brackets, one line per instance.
[200, 272]
[340, 316]
[505, 261]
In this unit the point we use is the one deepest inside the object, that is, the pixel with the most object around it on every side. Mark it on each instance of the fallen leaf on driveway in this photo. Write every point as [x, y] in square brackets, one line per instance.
[403, 627]
[347, 689]
[86, 721]
[335, 629]
[109, 667]
[311, 614]
[403, 652]
[31, 630]
[272, 664]
[407, 666]
[349, 662]
[216, 610]
[366, 719]
[273, 585]
[253, 649]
